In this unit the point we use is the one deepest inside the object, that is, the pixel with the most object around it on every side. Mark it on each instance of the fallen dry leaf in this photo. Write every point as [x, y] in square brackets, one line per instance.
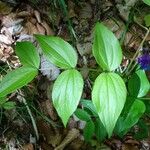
[129, 147]
[31, 28]
[48, 69]
[48, 108]
[5, 39]
[52, 135]
[40, 29]
[48, 29]
[4, 8]
[38, 16]
[10, 20]
[72, 134]
[28, 147]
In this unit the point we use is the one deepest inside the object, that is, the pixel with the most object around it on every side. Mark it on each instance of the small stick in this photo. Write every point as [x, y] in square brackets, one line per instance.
[128, 70]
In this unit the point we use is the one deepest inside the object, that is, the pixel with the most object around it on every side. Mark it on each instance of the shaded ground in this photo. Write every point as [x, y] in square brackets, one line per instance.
[74, 23]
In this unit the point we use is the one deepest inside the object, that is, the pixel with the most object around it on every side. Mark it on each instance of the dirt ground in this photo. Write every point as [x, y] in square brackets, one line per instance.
[74, 21]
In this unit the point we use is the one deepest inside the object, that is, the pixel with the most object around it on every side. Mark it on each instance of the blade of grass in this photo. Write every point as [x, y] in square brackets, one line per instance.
[64, 9]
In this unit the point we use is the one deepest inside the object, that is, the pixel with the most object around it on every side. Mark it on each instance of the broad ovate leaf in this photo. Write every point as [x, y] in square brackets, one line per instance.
[88, 131]
[89, 105]
[66, 93]
[138, 84]
[27, 53]
[58, 51]
[100, 130]
[147, 2]
[82, 115]
[16, 79]
[136, 111]
[106, 48]
[109, 96]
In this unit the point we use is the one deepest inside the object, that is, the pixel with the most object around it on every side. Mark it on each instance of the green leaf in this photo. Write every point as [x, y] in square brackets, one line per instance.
[3, 100]
[106, 48]
[66, 93]
[147, 2]
[118, 127]
[143, 130]
[138, 84]
[82, 115]
[147, 104]
[108, 96]
[147, 20]
[58, 51]
[89, 105]
[100, 130]
[9, 105]
[16, 79]
[88, 131]
[128, 104]
[136, 111]
[28, 54]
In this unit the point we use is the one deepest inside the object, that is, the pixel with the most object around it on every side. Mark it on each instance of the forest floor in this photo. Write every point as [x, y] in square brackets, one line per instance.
[74, 22]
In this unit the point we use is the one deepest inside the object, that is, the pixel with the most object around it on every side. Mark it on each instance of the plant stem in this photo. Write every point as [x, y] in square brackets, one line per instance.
[46, 118]
[30, 114]
[128, 70]
[65, 11]
[146, 98]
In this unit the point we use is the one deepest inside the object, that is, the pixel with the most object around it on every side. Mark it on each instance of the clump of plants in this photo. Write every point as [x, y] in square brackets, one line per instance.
[116, 103]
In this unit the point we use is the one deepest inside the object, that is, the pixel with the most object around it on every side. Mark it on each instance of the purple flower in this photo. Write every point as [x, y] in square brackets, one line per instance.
[144, 61]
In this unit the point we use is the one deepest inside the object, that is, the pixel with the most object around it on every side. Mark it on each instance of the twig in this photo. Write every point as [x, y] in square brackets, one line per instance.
[128, 70]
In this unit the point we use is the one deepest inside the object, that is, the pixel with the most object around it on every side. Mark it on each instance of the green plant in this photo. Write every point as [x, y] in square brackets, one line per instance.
[147, 2]
[113, 106]
[4, 104]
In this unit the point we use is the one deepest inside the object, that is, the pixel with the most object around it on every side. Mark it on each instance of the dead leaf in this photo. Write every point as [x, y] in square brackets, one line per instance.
[38, 16]
[48, 69]
[5, 39]
[86, 11]
[28, 147]
[117, 27]
[48, 29]
[129, 147]
[23, 14]
[5, 8]
[33, 20]
[125, 7]
[48, 108]
[10, 20]
[31, 28]
[76, 144]
[51, 134]
[72, 134]
[84, 48]
[40, 29]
